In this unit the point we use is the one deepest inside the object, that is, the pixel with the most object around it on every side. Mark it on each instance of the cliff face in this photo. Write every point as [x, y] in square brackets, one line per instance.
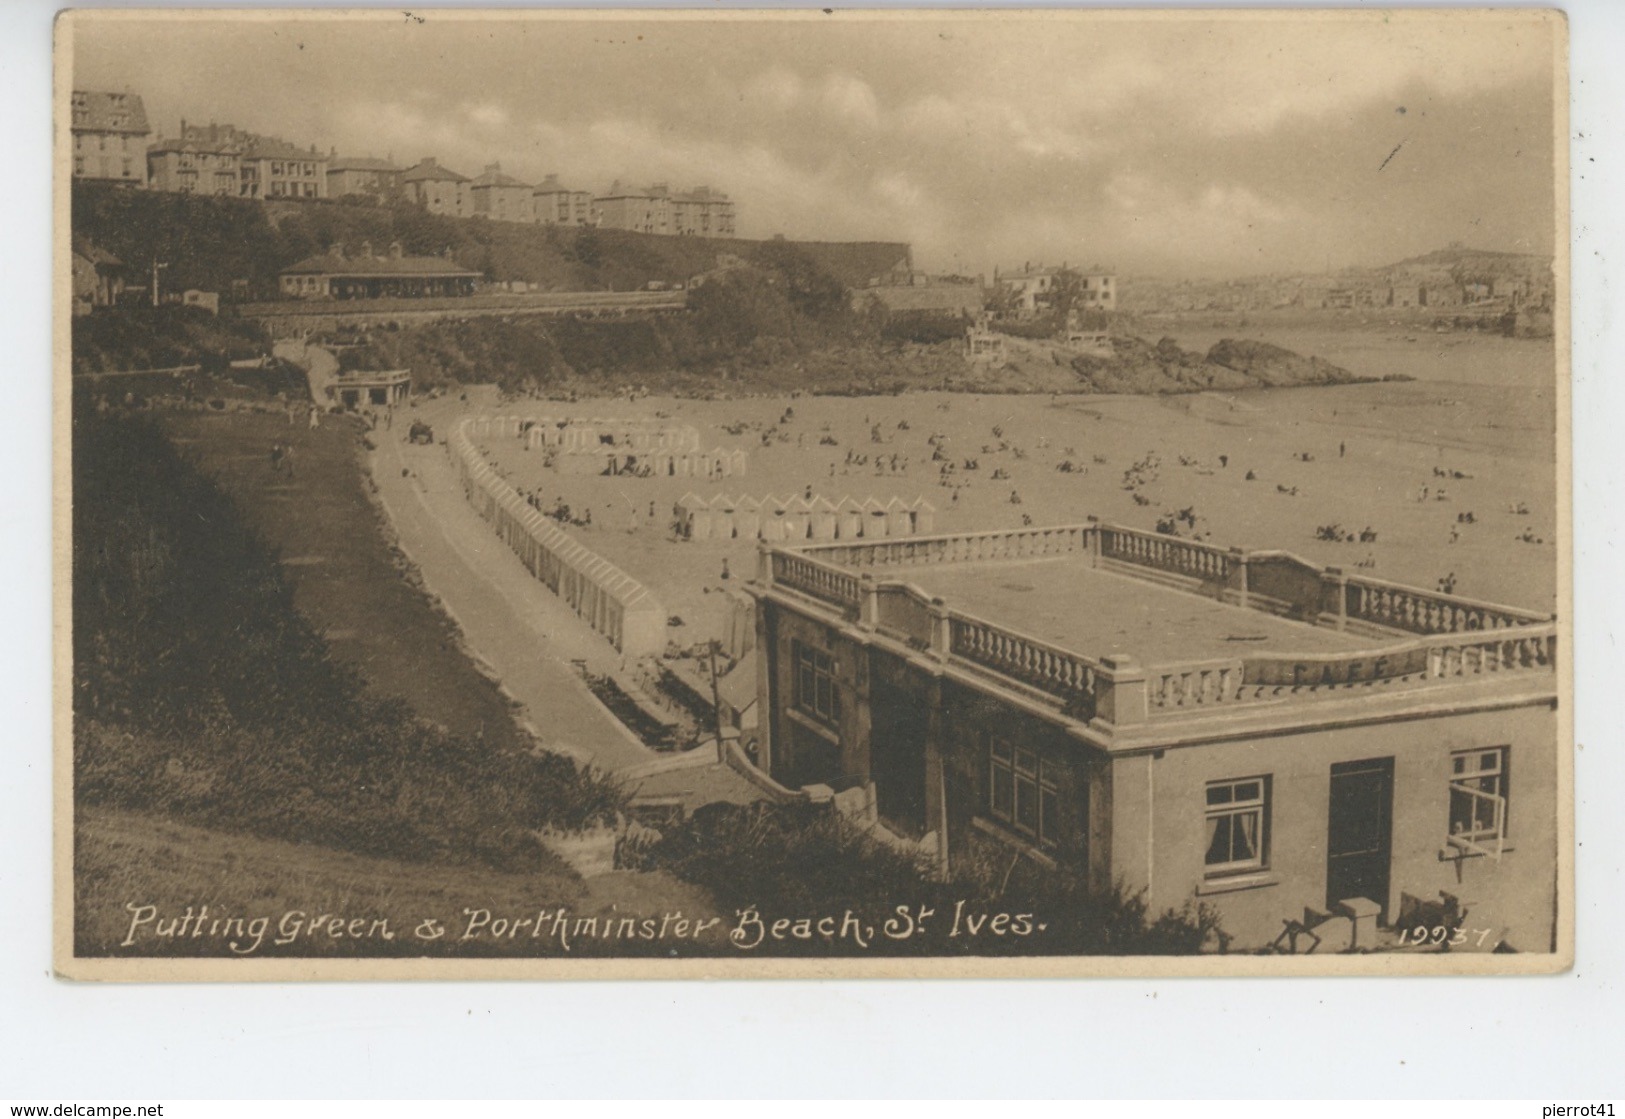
[1137, 366]
[1269, 365]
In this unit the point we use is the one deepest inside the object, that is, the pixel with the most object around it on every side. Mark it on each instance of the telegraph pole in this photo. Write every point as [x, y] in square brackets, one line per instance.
[716, 698]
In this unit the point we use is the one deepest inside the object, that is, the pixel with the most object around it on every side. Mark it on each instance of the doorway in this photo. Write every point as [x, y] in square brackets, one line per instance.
[1359, 840]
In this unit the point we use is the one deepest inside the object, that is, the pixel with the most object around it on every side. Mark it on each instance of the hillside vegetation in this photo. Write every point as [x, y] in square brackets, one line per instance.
[238, 246]
[201, 692]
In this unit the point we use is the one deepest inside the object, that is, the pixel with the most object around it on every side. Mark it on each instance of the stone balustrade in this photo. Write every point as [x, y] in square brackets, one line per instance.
[1419, 611]
[824, 581]
[1460, 639]
[1068, 676]
[1165, 553]
[964, 547]
[1530, 648]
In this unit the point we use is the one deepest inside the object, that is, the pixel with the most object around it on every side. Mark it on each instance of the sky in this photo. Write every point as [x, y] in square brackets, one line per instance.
[1189, 146]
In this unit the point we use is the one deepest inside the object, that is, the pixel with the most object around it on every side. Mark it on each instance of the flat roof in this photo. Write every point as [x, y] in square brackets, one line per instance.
[1067, 602]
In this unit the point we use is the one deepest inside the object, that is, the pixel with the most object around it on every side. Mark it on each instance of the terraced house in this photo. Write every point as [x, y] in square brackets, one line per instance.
[110, 133]
[273, 168]
[202, 159]
[1317, 755]
[439, 190]
[655, 209]
[501, 197]
[556, 204]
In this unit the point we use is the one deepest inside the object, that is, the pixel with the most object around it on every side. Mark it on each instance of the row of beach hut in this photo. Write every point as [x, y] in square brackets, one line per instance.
[616, 605]
[592, 433]
[716, 463]
[800, 518]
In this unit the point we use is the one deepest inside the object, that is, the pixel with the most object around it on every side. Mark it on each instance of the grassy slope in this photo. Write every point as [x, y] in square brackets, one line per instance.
[127, 858]
[355, 586]
[363, 595]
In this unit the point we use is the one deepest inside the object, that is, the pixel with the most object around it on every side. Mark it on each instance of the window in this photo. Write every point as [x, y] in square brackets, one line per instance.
[816, 691]
[1238, 820]
[1478, 800]
[1021, 791]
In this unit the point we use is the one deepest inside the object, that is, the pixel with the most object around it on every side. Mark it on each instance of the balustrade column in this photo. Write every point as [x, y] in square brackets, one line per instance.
[1335, 579]
[941, 630]
[868, 602]
[764, 563]
[1238, 564]
[1122, 693]
[1093, 532]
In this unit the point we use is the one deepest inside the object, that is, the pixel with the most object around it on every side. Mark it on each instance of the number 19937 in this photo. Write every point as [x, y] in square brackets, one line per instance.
[1443, 934]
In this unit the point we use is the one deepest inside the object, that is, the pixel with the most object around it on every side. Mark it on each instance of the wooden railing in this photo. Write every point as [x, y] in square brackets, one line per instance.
[810, 576]
[967, 547]
[1059, 672]
[1165, 553]
[1530, 648]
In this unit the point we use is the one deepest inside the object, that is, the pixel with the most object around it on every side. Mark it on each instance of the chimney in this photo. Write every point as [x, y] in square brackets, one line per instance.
[395, 251]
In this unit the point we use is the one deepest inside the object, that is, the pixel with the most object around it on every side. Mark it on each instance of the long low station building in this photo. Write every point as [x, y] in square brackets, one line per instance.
[337, 274]
[1313, 754]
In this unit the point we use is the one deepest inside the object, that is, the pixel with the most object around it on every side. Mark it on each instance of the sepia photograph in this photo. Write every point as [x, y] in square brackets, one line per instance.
[677, 494]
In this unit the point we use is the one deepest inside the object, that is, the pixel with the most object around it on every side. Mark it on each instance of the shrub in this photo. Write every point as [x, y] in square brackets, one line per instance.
[201, 692]
[801, 859]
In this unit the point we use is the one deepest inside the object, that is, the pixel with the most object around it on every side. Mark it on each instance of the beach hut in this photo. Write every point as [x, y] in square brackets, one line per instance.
[684, 510]
[797, 518]
[748, 518]
[875, 522]
[702, 523]
[848, 519]
[899, 518]
[773, 519]
[736, 462]
[823, 518]
[925, 516]
[723, 525]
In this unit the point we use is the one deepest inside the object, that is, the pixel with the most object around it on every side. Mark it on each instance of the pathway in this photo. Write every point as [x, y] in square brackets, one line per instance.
[522, 630]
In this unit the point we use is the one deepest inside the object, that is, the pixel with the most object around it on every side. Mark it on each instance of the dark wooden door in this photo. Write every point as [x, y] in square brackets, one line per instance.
[901, 721]
[1359, 841]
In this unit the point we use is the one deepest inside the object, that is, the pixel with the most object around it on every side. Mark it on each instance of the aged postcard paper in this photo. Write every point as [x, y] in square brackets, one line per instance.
[687, 494]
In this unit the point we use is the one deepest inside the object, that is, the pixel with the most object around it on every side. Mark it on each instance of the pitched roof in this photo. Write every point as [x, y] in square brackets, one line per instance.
[495, 177]
[269, 147]
[332, 264]
[82, 246]
[551, 185]
[428, 170]
[109, 112]
[360, 163]
[213, 138]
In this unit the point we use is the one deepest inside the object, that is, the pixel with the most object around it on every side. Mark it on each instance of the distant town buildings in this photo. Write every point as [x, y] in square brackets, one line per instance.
[440, 190]
[556, 204]
[110, 143]
[1033, 290]
[501, 197]
[362, 176]
[225, 160]
[109, 137]
[701, 212]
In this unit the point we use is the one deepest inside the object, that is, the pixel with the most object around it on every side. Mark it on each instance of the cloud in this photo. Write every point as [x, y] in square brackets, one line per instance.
[1200, 143]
